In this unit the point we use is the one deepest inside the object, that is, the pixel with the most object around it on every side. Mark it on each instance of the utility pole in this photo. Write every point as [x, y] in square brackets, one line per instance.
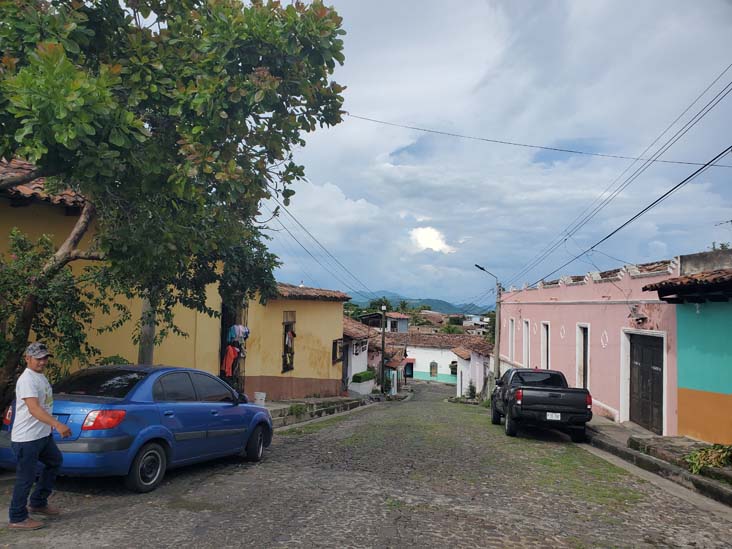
[496, 334]
[383, 346]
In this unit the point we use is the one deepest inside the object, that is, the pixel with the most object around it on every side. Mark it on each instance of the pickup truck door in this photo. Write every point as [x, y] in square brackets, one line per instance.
[503, 392]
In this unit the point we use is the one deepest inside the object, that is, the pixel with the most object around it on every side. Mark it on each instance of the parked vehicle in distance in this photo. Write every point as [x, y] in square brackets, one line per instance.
[541, 398]
[139, 421]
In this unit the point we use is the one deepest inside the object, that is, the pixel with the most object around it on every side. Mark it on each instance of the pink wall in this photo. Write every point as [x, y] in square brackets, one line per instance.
[605, 307]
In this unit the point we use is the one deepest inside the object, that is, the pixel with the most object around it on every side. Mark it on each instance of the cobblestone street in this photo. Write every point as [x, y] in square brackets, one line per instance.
[420, 473]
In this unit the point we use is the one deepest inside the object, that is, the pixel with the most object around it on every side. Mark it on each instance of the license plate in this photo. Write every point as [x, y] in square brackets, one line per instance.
[553, 416]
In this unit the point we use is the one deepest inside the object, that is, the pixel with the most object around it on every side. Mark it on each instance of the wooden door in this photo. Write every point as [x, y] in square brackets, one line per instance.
[646, 382]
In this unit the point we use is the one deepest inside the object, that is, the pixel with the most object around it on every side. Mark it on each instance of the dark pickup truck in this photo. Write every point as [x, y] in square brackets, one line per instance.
[542, 398]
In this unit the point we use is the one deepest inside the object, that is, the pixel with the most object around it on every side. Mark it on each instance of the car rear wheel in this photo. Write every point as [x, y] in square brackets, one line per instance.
[148, 468]
[255, 444]
[510, 425]
[495, 415]
[578, 435]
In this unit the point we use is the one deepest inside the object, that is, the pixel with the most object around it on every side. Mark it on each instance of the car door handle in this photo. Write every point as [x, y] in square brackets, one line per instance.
[168, 413]
[214, 412]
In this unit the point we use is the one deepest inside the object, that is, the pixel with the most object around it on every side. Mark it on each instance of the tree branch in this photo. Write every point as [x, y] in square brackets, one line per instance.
[87, 256]
[68, 249]
[13, 181]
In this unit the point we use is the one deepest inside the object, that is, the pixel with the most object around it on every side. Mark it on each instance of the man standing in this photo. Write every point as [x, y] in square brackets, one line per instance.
[32, 441]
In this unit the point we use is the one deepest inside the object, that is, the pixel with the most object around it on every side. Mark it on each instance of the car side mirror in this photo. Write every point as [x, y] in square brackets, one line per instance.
[243, 399]
[499, 383]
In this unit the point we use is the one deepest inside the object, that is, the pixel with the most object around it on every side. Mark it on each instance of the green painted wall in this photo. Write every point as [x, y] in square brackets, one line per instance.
[705, 347]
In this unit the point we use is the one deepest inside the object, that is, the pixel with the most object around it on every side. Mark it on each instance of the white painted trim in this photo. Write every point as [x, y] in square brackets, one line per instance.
[511, 338]
[625, 374]
[603, 405]
[587, 302]
[526, 342]
[578, 353]
[546, 340]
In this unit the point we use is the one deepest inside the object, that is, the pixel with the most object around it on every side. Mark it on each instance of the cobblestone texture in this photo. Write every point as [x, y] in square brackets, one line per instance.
[401, 474]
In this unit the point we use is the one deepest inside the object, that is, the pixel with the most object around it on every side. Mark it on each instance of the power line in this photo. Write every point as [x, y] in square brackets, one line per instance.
[322, 247]
[581, 221]
[641, 212]
[351, 288]
[525, 145]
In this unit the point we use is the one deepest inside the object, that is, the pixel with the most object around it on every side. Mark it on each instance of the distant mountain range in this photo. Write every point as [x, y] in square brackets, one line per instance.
[438, 305]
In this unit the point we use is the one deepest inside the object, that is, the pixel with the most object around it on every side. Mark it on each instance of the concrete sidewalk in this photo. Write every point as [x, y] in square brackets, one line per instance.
[660, 455]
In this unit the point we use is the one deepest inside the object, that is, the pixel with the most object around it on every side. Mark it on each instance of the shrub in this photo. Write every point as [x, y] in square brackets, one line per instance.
[298, 409]
[471, 390]
[717, 455]
[360, 377]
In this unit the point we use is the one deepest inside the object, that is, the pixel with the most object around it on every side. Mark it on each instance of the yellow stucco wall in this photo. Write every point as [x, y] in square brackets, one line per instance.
[317, 324]
[199, 350]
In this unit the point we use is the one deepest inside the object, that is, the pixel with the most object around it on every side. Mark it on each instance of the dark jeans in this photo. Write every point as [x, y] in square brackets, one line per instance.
[28, 455]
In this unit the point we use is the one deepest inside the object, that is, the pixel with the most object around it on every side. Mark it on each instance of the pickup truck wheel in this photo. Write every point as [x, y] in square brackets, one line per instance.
[578, 435]
[510, 425]
[495, 415]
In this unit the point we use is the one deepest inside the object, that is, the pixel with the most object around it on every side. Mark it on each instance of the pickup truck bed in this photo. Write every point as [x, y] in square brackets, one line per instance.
[542, 398]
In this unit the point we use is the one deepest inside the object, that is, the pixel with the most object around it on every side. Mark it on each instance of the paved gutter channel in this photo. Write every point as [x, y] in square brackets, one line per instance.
[703, 485]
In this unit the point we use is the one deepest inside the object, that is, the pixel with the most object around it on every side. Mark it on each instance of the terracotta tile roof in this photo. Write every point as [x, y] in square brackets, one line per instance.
[462, 352]
[655, 266]
[707, 279]
[433, 317]
[612, 273]
[479, 346]
[577, 278]
[35, 189]
[397, 315]
[354, 329]
[434, 341]
[290, 291]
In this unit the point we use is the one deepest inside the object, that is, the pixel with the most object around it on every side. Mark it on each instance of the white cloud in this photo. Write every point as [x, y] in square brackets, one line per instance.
[429, 238]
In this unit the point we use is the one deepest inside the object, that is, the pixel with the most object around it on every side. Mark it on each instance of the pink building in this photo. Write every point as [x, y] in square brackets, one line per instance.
[604, 333]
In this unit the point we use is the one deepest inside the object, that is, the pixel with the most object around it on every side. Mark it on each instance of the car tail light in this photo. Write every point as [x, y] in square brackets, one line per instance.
[519, 396]
[103, 419]
[8, 415]
[588, 401]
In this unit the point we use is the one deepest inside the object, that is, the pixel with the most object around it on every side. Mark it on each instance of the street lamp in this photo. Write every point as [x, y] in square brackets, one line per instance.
[496, 329]
[383, 346]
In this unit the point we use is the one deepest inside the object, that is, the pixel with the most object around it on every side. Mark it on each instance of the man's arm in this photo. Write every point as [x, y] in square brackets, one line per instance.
[37, 411]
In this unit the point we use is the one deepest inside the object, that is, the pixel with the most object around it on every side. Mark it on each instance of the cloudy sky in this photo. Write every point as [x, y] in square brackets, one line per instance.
[411, 212]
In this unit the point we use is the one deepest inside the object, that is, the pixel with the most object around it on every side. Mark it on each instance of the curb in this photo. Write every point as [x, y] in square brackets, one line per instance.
[344, 413]
[674, 473]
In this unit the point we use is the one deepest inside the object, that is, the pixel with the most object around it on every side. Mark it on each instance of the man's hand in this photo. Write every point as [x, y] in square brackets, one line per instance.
[62, 429]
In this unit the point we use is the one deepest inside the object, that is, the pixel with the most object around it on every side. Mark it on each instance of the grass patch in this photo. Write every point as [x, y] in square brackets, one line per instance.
[394, 504]
[311, 428]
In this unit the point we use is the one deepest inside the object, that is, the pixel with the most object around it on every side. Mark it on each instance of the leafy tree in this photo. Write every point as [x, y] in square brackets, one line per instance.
[375, 304]
[451, 329]
[173, 120]
[403, 306]
[491, 328]
[455, 320]
[352, 310]
[720, 246]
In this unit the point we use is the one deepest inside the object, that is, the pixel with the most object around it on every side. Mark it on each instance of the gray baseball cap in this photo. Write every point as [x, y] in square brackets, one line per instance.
[37, 350]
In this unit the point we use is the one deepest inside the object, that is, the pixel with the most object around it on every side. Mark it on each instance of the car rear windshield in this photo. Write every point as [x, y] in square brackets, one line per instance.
[102, 383]
[539, 379]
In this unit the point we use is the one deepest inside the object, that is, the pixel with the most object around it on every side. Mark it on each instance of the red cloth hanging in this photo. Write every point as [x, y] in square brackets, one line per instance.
[227, 366]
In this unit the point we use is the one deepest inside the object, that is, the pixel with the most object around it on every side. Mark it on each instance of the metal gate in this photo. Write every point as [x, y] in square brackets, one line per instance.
[646, 382]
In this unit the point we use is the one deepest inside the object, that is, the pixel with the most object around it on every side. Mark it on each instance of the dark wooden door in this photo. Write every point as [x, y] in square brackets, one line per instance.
[646, 382]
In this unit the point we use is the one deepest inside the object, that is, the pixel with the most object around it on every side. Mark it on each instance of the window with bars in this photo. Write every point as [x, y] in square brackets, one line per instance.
[288, 341]
[337, 354]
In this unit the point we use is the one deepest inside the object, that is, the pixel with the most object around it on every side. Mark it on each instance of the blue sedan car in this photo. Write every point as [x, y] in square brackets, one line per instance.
[139, 421]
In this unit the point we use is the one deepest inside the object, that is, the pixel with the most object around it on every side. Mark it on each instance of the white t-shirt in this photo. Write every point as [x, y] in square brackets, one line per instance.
[26, 428]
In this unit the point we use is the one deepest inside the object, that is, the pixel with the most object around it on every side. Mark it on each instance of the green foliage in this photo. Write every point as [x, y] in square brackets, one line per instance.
[455, 320]
[717, 455]
[720, 246]
[491, 329]
[451, 329]
[366, 375]
[112, 360]
[375, 304]
[297, 409]
[352, 310]
[471, 389]
[65, 304]
[387, 384]
[174, 119]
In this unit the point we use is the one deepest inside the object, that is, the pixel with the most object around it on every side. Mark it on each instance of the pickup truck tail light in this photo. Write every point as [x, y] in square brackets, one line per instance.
[519, 396]
[588, 401]
[103, 419]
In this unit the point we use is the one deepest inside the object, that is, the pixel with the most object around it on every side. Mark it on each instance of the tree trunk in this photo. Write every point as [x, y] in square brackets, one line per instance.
[21, 332]
[146, 348]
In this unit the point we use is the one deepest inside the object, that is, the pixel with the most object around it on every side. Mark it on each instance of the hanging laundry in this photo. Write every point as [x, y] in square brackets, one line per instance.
[237, 333]
[230, 357]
